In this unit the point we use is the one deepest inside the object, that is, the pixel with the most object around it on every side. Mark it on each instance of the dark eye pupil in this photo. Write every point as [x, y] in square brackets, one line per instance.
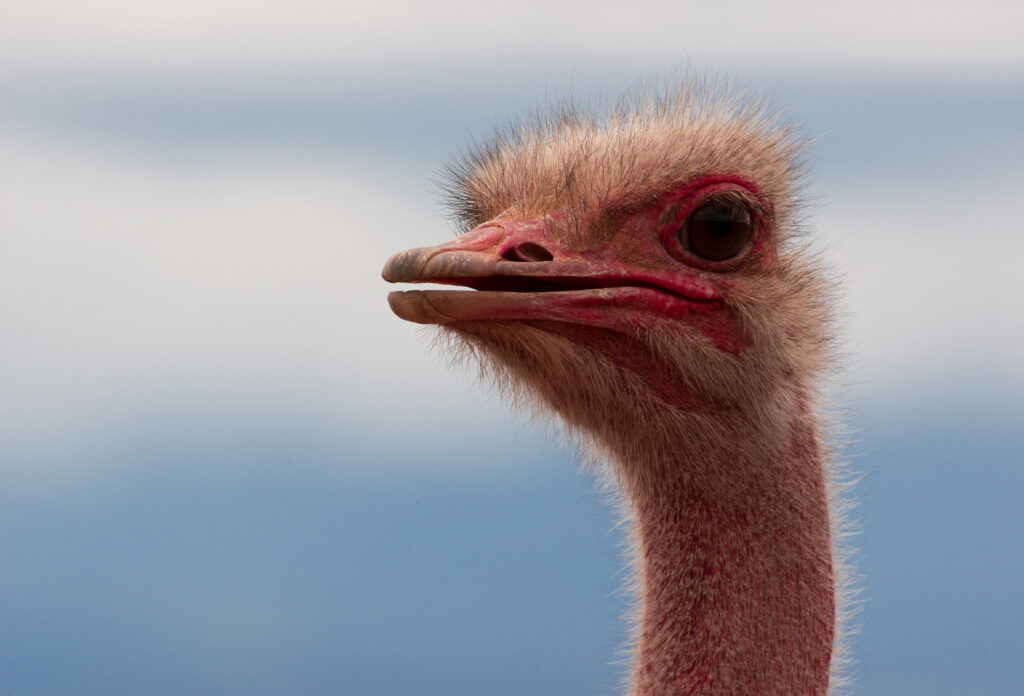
[717, 231]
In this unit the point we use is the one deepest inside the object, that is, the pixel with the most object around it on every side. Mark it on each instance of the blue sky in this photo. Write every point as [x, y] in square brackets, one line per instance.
[225, 466]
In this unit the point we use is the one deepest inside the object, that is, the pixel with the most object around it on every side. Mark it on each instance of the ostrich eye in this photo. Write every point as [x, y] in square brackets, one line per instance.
[717, 231]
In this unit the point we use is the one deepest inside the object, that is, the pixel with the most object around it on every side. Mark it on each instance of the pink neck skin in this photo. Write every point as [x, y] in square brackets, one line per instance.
[735, 570]
[733, 540]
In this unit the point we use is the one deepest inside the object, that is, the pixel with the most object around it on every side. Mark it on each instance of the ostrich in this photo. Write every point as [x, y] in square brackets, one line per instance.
[639, 273]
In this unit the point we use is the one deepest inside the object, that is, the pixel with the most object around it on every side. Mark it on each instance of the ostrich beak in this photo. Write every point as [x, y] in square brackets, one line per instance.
[515, 270]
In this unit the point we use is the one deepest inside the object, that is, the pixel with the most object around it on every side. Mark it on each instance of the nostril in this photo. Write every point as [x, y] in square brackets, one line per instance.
[527, 252]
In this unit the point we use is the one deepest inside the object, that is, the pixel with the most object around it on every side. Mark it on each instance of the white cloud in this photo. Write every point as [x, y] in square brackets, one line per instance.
[883, 37]
[242, 290]
[932, 286]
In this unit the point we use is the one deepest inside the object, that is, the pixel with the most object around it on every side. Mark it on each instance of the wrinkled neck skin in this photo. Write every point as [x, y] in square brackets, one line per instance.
[734, 563]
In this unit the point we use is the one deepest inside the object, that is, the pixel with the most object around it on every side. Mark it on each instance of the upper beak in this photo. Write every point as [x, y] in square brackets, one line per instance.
[470, 256]
[519, 272]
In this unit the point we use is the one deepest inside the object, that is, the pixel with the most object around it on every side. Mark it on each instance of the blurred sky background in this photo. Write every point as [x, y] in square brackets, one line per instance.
[225, 467]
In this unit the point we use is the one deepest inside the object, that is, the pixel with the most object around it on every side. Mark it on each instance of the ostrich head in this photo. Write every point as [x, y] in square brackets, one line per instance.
[640, 274]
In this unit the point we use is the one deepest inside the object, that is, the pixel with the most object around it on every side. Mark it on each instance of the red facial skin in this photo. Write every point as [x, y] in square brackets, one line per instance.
[640, 277]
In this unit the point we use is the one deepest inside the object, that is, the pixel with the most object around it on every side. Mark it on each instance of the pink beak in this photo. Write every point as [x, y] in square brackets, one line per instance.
[519, 272]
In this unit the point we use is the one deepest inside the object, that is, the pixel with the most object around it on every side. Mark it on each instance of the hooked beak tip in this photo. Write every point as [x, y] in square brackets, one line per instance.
[404, 267]
[440, 263]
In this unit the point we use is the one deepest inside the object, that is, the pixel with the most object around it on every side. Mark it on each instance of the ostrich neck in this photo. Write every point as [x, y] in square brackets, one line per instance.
[735, 566]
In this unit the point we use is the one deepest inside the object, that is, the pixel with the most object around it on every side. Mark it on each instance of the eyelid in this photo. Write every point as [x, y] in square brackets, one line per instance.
[681, 211]
[718, 208]
[731, 196]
